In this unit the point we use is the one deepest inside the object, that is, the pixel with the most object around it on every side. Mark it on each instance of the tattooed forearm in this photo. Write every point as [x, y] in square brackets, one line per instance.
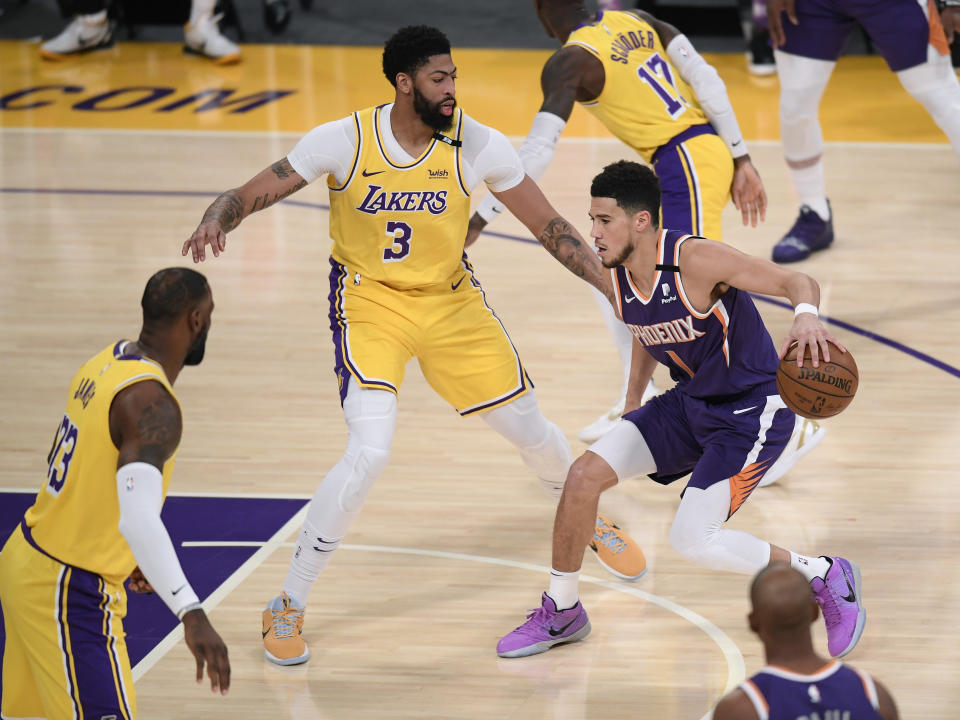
[282, 169]
[226, 210]
[264, 201]
[564, 243]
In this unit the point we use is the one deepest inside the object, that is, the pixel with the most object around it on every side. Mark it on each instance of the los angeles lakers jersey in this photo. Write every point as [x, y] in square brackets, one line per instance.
[644, 101]
[76, 514]
[402, 225]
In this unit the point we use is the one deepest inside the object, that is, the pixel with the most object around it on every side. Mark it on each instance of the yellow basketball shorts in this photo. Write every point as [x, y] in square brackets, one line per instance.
[463, 349]
[695, 170]
[65, 656]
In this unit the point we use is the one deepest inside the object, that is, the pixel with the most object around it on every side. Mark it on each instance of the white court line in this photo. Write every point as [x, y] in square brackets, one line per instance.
[513, 138]
[736, 669]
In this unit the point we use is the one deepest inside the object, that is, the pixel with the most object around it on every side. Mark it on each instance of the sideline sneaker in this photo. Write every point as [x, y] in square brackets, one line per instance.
[809, 233]
[282, 627]
[807, 434]
[204, 38]
[545, 627]
[617, 551]
[760, 59]
[604, 424]
[85, 33]
[838, 595]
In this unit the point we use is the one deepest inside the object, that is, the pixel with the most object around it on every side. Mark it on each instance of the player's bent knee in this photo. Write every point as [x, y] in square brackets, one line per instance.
[368, 464]
[587, 479]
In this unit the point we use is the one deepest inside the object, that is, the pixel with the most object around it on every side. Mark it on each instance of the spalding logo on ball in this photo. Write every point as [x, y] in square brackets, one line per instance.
[817, 392]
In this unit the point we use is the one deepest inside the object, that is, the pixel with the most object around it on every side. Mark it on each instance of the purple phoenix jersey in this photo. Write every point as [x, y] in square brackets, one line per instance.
[723, 352]
[837, 692]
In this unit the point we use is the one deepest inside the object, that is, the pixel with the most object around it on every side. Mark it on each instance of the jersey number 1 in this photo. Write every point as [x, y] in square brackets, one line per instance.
[656, 73]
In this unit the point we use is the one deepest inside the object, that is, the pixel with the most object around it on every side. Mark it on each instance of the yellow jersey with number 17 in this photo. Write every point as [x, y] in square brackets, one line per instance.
[400, 224]
[76, 515]
[644, 101]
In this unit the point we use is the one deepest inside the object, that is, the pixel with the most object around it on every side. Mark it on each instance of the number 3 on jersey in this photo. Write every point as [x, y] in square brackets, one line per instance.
[400, 233]
[60, 456]
[656, 73]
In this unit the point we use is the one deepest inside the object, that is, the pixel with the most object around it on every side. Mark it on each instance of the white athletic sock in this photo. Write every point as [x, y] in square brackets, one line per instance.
[199, 8]
[563, 588]
[809, 567]
[311, 558]
[810, 187]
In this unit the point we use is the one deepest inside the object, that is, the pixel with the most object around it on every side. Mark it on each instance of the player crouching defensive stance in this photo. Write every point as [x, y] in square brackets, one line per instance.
[685, 298]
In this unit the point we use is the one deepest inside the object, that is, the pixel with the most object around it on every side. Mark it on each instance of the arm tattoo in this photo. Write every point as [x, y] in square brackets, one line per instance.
[226, 210]
[563, 242]
[282, 169]
[158, 430]
[264, 201]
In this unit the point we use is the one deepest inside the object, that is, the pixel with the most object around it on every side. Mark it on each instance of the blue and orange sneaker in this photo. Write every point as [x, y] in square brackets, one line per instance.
[617, 551]
[545, 627]
[809, 233]
[838, 595]
[283, 631]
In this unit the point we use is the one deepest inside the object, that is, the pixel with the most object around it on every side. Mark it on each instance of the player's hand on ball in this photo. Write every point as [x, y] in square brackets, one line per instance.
[138, 583]
[808, 331]
[206, 234]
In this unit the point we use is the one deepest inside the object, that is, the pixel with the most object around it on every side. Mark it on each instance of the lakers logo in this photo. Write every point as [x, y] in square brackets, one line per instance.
[378, 199]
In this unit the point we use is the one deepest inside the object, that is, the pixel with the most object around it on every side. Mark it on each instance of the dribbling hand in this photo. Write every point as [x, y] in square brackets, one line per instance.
[206, 234]
[207, 647]
[808, 331]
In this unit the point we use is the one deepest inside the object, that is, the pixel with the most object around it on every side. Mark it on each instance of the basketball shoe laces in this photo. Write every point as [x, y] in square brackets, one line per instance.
[608, 537]
[285, 621]
[536, 620]
[830, 606]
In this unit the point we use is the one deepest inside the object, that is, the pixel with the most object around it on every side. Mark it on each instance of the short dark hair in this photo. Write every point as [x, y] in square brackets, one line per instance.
[170, 293]
[409, 48]
[635, 187]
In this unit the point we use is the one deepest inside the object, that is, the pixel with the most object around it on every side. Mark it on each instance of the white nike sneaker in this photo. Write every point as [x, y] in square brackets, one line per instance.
[204, 38]
[807, 434]
[603, 424]
[84, 33]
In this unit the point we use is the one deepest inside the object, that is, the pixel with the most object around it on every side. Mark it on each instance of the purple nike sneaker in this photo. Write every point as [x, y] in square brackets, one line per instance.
[809, 233]
[838, 595]
[545, 627]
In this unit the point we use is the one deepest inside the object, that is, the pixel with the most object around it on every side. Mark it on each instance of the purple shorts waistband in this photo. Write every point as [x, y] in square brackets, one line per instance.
[690, 132]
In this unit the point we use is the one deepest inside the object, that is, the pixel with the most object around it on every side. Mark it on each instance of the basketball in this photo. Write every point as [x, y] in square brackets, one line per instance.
[818, 392]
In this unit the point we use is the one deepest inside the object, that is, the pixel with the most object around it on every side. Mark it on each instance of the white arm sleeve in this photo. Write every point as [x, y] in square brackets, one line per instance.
[140, 492]
[535, 155]
[710, 90]
[328, 148]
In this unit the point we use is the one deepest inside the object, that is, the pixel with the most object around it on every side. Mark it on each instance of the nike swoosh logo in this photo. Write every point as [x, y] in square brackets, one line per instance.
[739, 412]
[851, 595]
[369, 174]
[734, 144]
[554, 633]
[179, 589]
[630, 299]
[265, 633]
[454, 287]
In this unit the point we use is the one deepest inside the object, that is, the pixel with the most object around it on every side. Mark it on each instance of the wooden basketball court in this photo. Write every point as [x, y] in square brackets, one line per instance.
[454, 541]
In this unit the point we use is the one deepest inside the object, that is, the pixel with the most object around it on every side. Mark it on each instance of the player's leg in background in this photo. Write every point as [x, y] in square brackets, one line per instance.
[202, 36]
[912, 41]
[804, 64]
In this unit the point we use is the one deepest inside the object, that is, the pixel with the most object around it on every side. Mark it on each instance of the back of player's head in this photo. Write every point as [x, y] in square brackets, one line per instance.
[783, 602]
[172, 292]
[409, 48]
[635, 187]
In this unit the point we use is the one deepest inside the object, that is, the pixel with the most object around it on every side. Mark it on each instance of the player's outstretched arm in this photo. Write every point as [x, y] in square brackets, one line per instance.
[558, 236]
[735, 706]
[267, 187]
[707, 264]
[562, 77]
[145, 426]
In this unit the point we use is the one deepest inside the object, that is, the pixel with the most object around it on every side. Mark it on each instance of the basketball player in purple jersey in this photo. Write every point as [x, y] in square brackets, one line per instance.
[796, 682]
[807, 43]
[686, 300]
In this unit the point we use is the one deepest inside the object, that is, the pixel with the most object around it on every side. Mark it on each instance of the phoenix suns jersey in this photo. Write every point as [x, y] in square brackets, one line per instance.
[76, 515]
[400, 224]
[644, 101]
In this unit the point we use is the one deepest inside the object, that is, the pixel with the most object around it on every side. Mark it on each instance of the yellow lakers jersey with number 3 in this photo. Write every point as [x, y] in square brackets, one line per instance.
[644, 101]
[76, 514]
[401, 224]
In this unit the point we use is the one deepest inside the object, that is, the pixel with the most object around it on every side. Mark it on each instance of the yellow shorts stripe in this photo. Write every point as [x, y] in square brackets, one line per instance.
[693, 182]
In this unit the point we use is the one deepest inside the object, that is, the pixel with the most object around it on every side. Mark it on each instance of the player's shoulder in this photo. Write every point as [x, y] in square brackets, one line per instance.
[735, 705]
[478, 135]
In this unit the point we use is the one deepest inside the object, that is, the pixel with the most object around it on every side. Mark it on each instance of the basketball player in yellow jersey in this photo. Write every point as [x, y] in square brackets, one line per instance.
[96, 522]
[400, 177]
[648, 85]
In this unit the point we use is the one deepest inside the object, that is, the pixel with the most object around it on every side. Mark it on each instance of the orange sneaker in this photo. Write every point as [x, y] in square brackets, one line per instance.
[282, 628]
[617, 551]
